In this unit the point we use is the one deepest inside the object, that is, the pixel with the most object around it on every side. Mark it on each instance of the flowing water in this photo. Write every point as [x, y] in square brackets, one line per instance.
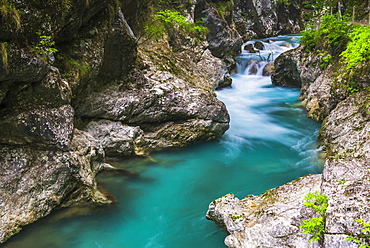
[270, 142]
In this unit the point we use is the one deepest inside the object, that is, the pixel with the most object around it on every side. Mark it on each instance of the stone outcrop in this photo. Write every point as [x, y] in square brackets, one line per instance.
[104, 93]
[223, 38]
[266, 18]
[269, 220]
[300, 69]
[345, 179]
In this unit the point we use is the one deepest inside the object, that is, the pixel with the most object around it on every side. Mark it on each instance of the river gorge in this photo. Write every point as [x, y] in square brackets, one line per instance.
[270, 142]
[134, 123]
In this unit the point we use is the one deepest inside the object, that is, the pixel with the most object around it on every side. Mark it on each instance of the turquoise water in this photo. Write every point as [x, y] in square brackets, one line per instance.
[270, 142]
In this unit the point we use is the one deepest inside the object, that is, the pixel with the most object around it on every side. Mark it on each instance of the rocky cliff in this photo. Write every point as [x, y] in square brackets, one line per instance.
[266, 18]
[273, 219]
[77, 85]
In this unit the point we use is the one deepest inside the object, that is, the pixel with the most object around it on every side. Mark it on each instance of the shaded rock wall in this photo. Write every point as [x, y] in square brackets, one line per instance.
[266, 18]
[102, 94]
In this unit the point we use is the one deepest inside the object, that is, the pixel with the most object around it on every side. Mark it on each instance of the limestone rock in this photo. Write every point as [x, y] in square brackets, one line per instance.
[346, 131]
[268, 69]
[38, 113]
[346, 182]
[269, 220]
[222, 37]
[116, 139]
[286, 71]
[266, 18]
[300, 69]
[35, 181]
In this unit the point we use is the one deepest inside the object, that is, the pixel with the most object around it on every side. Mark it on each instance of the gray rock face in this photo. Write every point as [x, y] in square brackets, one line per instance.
[346, 131]
[172, 100]
[35, 181]
[264, 18]
[286, 71]
[269, 220]
[297, 68]
[100, 95]
[116, 139]
[222, 37]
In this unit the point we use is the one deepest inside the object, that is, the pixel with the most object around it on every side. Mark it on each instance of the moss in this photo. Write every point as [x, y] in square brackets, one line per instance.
[235, 217]
[10, 15]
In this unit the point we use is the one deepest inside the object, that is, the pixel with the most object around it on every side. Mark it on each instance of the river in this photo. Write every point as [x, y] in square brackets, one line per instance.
[270, 142]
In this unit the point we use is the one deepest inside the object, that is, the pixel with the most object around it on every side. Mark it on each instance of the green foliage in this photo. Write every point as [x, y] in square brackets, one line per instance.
[315, 225]
[326, 59]
[332, 35]
[316, 201]
[10, 15]
[352, 87]
[358, 49]
[67, 5]
[165, 22]
[45, 44]
[365, 230]
[286, 2]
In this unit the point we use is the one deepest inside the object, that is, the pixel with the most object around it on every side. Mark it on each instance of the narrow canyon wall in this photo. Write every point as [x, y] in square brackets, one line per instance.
[103, 93]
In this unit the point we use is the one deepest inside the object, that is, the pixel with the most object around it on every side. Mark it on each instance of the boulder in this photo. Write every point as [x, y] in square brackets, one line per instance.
[268, 69]
[35, 181]
[223, 39]
[286, 71]
[269, 220]
[259, 45]
[250, 48]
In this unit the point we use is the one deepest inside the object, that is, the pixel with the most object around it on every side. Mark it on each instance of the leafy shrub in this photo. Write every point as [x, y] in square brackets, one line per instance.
[365, 230]
[46, 44]
[358, 49]
[315, 225]
[332, 35]
[165, 21]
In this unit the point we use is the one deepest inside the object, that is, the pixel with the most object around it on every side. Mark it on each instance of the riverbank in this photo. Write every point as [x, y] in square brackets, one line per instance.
[273, 219]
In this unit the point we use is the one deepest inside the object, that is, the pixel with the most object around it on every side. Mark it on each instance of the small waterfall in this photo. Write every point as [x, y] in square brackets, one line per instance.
[257, 55]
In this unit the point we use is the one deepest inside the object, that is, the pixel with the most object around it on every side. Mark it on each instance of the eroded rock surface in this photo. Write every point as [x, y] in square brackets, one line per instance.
[104, 93]
[269, 220]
